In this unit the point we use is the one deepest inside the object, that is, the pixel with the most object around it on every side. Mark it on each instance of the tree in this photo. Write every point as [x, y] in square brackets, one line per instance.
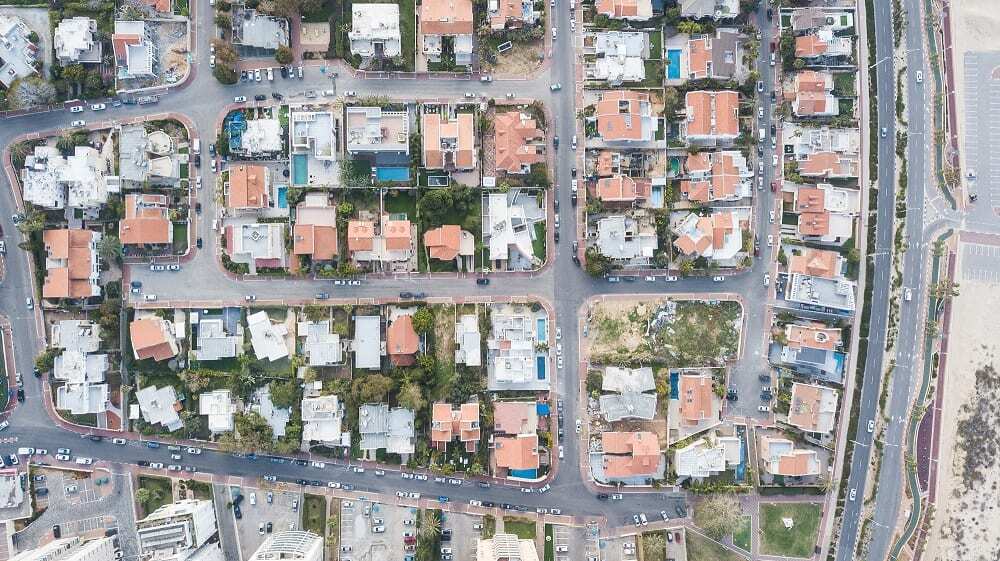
[411, 396]
[345, 210]
[945, 289]
[47, 359]
[34, 221]
[252, 434]
[799, 64]
[293, 9]
[75, 74]
[423, 320]
[371, 388]
[671, 103]
[718, 515]
[596, 263]
[687, 267]
[195, 380]
[224, 22]
[284, 394]
[110, 248]
[145, 496]
[435, 206]
[283, 55]
[430, 525]
[30, 91]
[689, 27]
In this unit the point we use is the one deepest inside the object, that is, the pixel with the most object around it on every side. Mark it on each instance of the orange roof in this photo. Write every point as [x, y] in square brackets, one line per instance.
[811, 81]
[517, 452]
[797, 463]
[512, 132]
[623, 189]
[401, 341]
[120, 42]
[247, 187]
[812, 337]
[508, 11]
[824, 164]
[398, 234]
[162, 6]
[515, 417]
[619, 115]
[809, 199]
[808, 404]
[712, 114]
[446, 17]
[809, 46]
[149, 339]
[697, 191]
[444, 242]
[441, 422]
[699, 55]
[725, 177]
[618, 8]
[71, 277]
[630, 454]
[814, 223]
[318, 241]
[146, 221]
[698, 163]
[447, 423]
[360, 235]
[810, 103]
[712, 232]
[696, 397]
[608, 163]
[459, 132]
[815, 262]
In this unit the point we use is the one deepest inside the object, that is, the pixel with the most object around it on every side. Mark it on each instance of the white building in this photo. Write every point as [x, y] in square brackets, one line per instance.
[290, 546]
[468, 348]
[707, 456]
[146, 156]
[18, 54]
[322, 347]
[267, 339]
[619, 56]
[258, 245]
[218, 406]
[76, 41]
[370, 129]
[506, 547]
[159, 406]
[213, 341]
[82, 372]
[715, 9]
[253, 29]
[175, 530]
[368, 345]
[135, 51]
[262, 137]
[508, 230]
[624, 238]
[50, 181]
[375, 30]
[381, 428]
[512, 361]
[322, 418]
[71, 549]
[313, 132]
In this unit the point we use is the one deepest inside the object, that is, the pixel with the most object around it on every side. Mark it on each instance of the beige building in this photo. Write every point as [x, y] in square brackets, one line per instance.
[506, 547]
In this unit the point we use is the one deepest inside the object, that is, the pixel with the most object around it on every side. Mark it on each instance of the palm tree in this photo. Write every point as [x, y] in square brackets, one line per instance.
[430, 525]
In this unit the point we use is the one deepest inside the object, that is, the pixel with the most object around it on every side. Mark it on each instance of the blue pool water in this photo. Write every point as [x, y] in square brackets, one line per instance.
[674, 68]
[300, 169]
[392, 174]
[543, 335]
[524, 473]
[656, 197]
[283, 197]
[674, 385]
[540, 362]
[741, 468]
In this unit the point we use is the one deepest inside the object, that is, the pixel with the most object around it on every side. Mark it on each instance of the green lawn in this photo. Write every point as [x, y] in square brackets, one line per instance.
[524, 529]
[701, 549]
[180, 237]
[3, 374]
[489, 526]
[741, 538]
[795, 542]
[314, 514]
[655, 74]
[654, 546]
[549, 544]
[161, 492]
[201, 489]
[843, 84]
[655, 45]
[538, 244]
[402, 202]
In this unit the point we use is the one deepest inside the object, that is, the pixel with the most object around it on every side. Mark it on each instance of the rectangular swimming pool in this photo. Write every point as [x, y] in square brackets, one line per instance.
[392, 174]
[674, 64]
[283, 196]
[542, 335]
[300, 169]
[656, 197]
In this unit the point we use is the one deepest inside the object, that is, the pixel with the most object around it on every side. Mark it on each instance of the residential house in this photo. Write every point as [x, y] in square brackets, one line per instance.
[696, 408]
[315, 230]
[261, 139]
[447, 18]
[450, 243]
[619, 56]
[157, 8]
[621, 190]
[519, 143]
[707, 456]
[218, 406]
[512, 14]
[631, 456]
[780, 457]
[813, 350]
[72, 267]
[712, 117]
[718, 57]
[259, 31]
[823, 152]
[815, 262]
[249, 187]
[145, 157]
[159, 406]
[135, 51]
[461, 423]
[468, 346]
[375, 30]
[632, 10]
[715, 9]
[625, 117]
[81, 369]
[76, 41]
[322, 421]
[505, 547]
[806, 19]
[813, 408]
[258, 245]
[826, 213]
[277, 417]
[834, 294]
[383, 133]
[51, 181]
[718, 236]
[381, 428]
[626, 239]
[628, 394]
[367, 344]
[321, 347]
[449, 143]
[811, 94]
[266, 337]
[512, 361]
[18, 54]
[152, 337]
[393, 247]
[402, 341]
[312, 139]
[717, 176]
[213, 341]
[516, 456]
[507, 232]
[512, 418]
[147, 221]
[822, 44]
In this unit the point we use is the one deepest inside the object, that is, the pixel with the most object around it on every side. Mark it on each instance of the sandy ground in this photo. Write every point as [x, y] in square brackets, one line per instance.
[967, 519]
[315, 36]
[519, 61]
[974, 28]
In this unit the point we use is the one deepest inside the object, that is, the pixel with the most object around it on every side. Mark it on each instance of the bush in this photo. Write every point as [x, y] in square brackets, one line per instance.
[283, 55]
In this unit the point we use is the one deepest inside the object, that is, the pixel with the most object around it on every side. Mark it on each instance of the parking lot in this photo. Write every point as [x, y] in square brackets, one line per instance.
[982, 132]
[619, 549]
[375, 532]
[677, 545]
[574, 540]
[281, 512]
[464, 534]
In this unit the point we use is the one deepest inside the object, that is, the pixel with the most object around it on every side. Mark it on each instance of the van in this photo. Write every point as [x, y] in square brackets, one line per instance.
[763, 134]
[572, 4]
[25, 451]
[196, 146]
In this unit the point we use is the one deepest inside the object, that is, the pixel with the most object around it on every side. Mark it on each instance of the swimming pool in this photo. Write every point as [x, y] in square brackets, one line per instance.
[283, 196]
[392, 174]
[674, 64]
[540, 366]
[656, 197]
[542, 331]
[300, 169]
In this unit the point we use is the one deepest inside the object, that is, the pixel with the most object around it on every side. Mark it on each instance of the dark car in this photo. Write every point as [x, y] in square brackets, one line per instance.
[482, 282]
[301, 463]
[555, 141]
[56, 532]
[136, 284]
[269, 527]
[237, 512]
[774, 96]
[484, 485]
[259, 97]
[36, 371]
[110, 532]
[770, 13]
[143, 463]
[284, 71]
[489, 504]
[277, 96]
[152, 444]
[573, 199]
[681, 511]
[302, 482]
[41, 492]
[197, 208]
[556, 236]
[197, 160]
[556, 203]
[96, 437]
[20, 394]
[602, 496]
[211, 149]
[406, 294]
[199, 243]
[774, 129]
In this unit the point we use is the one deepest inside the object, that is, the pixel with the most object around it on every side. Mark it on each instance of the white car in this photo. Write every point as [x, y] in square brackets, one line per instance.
[240, 99]
[763, 408]
[907, 294]
[579, 426]
[718, 278]
[770, 240]
[78, 123]
[253, 498]
[760, 112]
[256, 75]
[211, 61]
[558, 334]
[76, 109]
[156, 465]
[559, 362]
[767, 279]
[854, 494]
[560, 451]
[98, 107]
[871, 425]
[194, 451]
[84, 461]
[270, 74]
[319, 465]
[920, 76]
[554, 33]
[770, 216]
[670, 278]
[119, 441]
[62, 457]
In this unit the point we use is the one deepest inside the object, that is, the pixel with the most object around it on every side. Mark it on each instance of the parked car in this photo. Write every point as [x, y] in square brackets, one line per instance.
[240, 99]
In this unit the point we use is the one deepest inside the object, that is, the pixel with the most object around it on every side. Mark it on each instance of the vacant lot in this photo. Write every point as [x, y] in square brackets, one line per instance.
[525, 529]
[797, 541]
[678, 333]
[157, 493]
[314, 514]
[701, 549]
[741, 538]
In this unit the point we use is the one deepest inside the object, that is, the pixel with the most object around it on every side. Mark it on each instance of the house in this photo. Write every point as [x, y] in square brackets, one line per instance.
[80, 368]
[628, 396]
[218, 406]
[402, 341]
[717, 57]
[322, 421]
[159, 406]
[822, 44]
[321, 347]
[835, 294]
[823, 152]
[312, 139]
[512, 361]
[76, 41]
[780, 457]
[214, 343]
[519, 143]
[707, 456]
[811, 349]
[450, 242]
[515, 455]
[806, 19]
[157, 7]
[449, 144]
[507, 231]
[506, 547]
[815, 262]
[367, 344]
[290, 545]
[72, 267]
[506, 14]
[826, 213]
[712, 117]
[263, 138]
[50, 180]
[811, 94]
[717, 176]
[145, 156]
[715, 9]
[813, 408]
[447, 18]
[135, 51]
[696, 407]
[392, 246]
[448, 424]
[624, 238]
[631, 456]
[277, 417]
[18, 54]
[718, 236]
[147, 221]
[619, 56]
[632, 10]
[625, 117]
[623, 190]
[468, 347]
[267, 338]
[515, 417]
[381, 428]
[76, 335]
[375, 30]
[249, 187]
[315, 230]
[372, 130]
[152, 337]
[258, 31]
[258, 245]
